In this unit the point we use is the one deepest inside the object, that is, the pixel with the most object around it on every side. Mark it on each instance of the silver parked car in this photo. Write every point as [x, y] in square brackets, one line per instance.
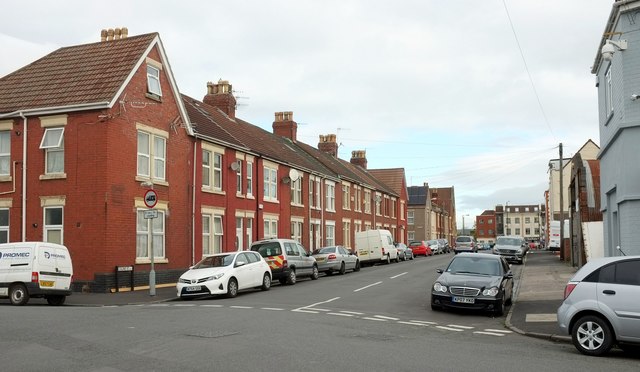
[513, 248]
[336, 258]
[601, 306]
[465, 243]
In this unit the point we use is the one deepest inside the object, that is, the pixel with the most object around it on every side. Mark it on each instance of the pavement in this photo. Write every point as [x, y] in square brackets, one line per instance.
[539, 294]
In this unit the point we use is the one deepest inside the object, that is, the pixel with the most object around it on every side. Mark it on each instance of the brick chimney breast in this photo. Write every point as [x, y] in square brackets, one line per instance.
[220, 95]
[328, 144]
[284, 126]
[359, 158]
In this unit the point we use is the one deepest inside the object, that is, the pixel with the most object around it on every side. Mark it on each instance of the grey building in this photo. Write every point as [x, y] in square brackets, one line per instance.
[618, 83]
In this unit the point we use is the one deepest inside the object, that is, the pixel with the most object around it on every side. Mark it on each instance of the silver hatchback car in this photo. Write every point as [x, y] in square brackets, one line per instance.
[601, 306]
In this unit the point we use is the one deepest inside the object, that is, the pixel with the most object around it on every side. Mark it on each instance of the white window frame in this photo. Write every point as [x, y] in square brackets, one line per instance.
[346, 233]
[357, 203]
[153, 80]
[207, 157]
[296, 192]
[49, 228]
[394, 203]
[297, 227]
[270, 227]
[608, 92]
[53, 146]
[239, 177]
[153, 157]
[346, 196]
[330, 233]
[5, 153]
[249, 178]
[154, 228]
[411, 235]
[367, 201]
[330, 196]
[270, 183]
[410, 217]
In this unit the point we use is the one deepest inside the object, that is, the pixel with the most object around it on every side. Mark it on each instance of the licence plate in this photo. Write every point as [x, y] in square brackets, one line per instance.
[194, 288]
[46, 283]
[464, 300]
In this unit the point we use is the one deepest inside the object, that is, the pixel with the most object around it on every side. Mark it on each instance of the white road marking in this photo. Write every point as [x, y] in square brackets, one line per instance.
[498, 330]
[376, 319]
[184, 305]
[399, 275]
[365, 287]
[416, 324]
[340, 314]
[459, 326]
[159, 305]
[320, 303]
[450, 329]
[211, 305]
[272, 308]
[241, 307]
[489, 333]
[318, 309]
[423, 321]
[301, 310]
[385, 317]
[351, 312]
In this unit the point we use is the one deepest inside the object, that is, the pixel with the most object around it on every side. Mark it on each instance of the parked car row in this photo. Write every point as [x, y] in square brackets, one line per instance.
[512, 248]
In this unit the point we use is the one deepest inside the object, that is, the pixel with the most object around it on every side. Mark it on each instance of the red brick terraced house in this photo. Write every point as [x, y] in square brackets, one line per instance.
[86, 130]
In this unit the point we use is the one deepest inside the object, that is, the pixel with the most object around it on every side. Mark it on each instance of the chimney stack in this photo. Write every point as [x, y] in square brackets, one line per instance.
[359, 158]
[284, 126]
[328, 144]
[220, 95]
[114, 34]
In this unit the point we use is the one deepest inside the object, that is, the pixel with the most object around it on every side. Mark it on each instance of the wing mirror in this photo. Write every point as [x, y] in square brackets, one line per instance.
[439, 271]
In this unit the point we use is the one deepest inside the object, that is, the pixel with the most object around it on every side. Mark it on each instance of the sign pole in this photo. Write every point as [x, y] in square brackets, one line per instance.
[150, 200]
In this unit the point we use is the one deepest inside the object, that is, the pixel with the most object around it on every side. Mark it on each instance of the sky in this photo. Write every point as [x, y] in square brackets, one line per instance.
[474, 94]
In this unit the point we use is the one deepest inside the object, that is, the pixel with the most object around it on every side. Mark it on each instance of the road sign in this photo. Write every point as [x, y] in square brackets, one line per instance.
[151, 213]
[150, 198]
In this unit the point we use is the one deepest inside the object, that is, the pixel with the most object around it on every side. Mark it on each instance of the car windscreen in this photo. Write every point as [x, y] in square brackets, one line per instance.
[415, 244]
[509, 241]
[474, 265]
[432, 242]
[268, 249]
[215, 261]
[463, 239]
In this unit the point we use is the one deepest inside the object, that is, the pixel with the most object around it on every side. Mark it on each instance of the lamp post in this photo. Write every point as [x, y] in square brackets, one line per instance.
[463, 229]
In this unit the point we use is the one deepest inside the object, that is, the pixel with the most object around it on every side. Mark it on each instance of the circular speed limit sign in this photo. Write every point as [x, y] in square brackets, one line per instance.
[150, 198]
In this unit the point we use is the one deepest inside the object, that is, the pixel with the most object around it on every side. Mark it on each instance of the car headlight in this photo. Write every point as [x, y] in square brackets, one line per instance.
[214, 277]
[493, 291]
[439, 287]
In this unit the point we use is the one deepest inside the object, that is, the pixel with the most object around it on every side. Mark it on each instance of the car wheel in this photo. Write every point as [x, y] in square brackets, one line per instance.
[357, 268]
[388, 260]
[314, 272]
[57, 300]
[397, 259]
[266, 282]
[291, 278]
[232, 288]
[343, 269]
[18, 295]
[591, 335]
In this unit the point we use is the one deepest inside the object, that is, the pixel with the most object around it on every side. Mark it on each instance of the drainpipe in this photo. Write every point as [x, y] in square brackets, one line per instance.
[193, 206]
[24, 177]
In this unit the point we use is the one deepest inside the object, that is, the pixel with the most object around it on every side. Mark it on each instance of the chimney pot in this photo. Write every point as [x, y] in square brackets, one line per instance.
[124, 33]
[110, 33]
[116, 34]
[220, 95]
[103, 35]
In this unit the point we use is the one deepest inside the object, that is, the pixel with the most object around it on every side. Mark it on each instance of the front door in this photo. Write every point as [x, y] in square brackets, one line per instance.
[239, 234]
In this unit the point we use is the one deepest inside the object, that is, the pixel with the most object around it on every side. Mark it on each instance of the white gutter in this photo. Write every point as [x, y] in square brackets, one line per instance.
[24, 177]
[57, 109]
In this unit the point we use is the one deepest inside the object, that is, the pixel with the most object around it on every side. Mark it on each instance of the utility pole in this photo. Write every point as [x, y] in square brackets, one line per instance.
[561, 205]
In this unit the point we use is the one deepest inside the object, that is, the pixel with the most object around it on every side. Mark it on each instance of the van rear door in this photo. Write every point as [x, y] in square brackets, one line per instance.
[54, 267]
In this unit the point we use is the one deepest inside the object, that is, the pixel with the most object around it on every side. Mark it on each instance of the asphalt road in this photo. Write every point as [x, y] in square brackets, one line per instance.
[376, 320]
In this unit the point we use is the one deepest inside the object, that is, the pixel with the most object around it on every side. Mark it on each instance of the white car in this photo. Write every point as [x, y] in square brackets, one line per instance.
[225, 273]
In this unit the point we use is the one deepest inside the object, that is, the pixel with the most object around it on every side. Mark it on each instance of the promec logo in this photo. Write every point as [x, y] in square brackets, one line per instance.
[47, 255]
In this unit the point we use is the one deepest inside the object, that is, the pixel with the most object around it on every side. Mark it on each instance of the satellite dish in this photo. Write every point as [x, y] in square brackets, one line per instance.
[294, 175]
[235, 166]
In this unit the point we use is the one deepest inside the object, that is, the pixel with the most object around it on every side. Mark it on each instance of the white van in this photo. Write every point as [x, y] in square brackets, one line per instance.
[35, 269]
[375, 246]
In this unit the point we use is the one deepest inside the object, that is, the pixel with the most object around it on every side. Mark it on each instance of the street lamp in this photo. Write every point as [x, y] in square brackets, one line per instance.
[463, 230]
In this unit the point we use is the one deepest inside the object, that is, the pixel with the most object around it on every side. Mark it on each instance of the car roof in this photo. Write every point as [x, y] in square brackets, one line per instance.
[596, 263]
[481, 255]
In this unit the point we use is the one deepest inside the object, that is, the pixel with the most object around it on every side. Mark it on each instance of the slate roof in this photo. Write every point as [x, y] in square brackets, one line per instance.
[215, 125]
[82, 74]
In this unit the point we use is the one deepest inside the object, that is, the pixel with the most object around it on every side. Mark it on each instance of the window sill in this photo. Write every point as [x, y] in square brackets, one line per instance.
[250, 196]
[241, 196]
[6, 178]
[212, 191]
[153, 96]
[156, 260]
[53, 176]
[272, 201]
[154, 182]
[606, 122]
[297, 205]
